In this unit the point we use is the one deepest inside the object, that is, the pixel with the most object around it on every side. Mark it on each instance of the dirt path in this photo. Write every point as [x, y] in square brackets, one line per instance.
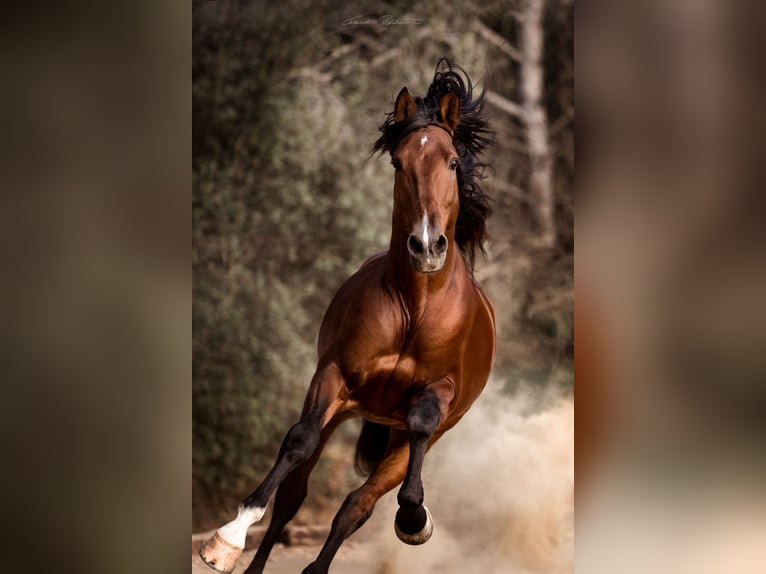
[293, 559]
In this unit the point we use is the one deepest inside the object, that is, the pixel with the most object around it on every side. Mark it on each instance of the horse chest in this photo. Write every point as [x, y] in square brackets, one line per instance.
[387, 380]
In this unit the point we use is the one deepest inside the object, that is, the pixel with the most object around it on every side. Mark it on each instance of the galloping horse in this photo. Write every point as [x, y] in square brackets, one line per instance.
[407, 342]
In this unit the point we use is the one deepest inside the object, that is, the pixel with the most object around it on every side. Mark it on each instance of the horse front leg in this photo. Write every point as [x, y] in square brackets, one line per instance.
[323, 402]
[413, 523]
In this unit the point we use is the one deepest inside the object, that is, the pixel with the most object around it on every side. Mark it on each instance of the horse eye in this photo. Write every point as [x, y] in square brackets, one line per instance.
[453, 164]
[396, 162]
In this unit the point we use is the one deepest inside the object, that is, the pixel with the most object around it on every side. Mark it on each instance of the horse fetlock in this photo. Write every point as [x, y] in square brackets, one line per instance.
[411, 495]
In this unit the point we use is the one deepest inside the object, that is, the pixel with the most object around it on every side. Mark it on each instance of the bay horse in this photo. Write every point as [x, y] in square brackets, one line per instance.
[408, 341]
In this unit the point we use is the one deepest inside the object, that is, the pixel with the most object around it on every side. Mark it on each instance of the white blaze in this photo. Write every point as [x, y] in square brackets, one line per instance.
[425, 231]
[423, 141]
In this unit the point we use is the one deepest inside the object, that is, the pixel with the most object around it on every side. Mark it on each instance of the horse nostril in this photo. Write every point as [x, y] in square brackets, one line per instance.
[415, 245]
[441, 245]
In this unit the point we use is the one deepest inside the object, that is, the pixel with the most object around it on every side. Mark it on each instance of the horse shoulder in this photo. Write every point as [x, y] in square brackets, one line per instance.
[487, 304]
[361, 319]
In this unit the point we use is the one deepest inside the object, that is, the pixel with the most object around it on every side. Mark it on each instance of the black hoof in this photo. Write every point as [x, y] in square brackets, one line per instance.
[414, 527]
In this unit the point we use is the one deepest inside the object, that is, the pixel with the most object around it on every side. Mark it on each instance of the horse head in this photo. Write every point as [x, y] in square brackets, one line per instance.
[426, 202]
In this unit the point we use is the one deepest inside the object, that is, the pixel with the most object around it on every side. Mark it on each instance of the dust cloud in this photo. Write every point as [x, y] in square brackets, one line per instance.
[500, 489]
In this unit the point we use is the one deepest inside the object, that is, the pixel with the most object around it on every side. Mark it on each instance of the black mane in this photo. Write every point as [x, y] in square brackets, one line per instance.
[471, 138]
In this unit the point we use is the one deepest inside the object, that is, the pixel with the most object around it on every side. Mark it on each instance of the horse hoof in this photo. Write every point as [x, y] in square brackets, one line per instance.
[419, 537]
[219, 554]
[223, 549]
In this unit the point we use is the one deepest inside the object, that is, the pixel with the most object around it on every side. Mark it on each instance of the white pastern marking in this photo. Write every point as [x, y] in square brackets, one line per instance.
[423, 141]
[425, 231]
[235, 532]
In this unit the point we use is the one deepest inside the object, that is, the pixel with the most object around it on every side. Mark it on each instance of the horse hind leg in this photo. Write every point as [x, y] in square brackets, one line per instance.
[413, 523]
[358, 506]
[223, 549]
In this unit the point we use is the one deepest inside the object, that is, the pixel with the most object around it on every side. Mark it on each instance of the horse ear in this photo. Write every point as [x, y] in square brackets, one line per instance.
[449, 108]
[405, 106]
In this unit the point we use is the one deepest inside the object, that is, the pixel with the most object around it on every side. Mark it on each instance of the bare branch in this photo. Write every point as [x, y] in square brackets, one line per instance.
[423, 32]
[513, 190]
[385, 56]
[562, 122]
[504, 104]
[312, 73]
[337, 53]
[315, 72]
[499, 42]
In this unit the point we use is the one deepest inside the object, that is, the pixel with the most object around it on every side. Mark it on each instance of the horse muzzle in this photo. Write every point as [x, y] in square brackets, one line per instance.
[428, 249]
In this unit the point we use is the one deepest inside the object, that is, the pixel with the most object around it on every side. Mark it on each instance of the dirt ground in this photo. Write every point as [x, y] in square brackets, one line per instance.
[293, 559]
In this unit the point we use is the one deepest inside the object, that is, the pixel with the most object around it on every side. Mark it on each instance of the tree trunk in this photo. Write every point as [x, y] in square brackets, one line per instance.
[541, 195]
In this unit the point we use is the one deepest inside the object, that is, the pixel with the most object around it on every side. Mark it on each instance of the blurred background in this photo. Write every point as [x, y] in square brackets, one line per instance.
[287, 202]
[671, 288]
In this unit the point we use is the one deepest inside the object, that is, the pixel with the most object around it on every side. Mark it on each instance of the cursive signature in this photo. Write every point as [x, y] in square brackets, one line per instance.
[387, 20]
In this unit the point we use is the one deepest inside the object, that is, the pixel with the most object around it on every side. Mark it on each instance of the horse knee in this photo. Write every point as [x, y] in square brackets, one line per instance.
[423, 418]
[300, 443]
